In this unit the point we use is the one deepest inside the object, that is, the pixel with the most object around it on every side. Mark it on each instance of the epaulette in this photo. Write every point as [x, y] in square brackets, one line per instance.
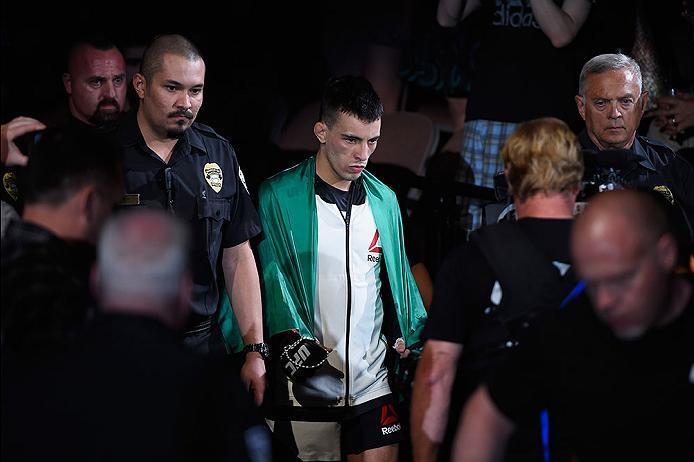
[206, 130]
[657, 145]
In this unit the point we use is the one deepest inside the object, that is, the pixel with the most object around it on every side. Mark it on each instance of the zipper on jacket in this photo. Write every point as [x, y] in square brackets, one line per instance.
[349, 310]
[346, 218]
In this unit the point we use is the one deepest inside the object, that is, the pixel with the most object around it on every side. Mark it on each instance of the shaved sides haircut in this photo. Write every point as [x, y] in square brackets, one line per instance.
[166, 44]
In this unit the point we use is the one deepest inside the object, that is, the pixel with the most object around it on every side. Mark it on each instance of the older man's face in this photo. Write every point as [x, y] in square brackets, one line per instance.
[612, 108]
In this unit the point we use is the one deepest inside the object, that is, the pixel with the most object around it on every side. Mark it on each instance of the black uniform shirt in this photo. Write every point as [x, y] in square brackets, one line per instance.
[661, 169]
[202, 184]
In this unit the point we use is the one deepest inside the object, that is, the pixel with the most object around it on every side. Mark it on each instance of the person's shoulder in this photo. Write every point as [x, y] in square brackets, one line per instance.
[464, 255]
[207, 132]
[218, 148]
[656, 145]
[284, 182]
[298, 172]
[373, 184]
[665, 158]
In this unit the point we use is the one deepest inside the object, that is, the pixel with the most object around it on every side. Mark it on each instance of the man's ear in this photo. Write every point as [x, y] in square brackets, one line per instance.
[644, 101]
[139, 84]
[67, 82]
[581, 105]
[321, 131]
[667, 252]
[87, 203]
[508, 183]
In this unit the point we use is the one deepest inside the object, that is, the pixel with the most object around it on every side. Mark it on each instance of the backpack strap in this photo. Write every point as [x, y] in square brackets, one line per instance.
[527, 277]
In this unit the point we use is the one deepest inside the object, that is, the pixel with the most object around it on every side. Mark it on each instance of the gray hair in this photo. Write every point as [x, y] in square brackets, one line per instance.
[605, 63]
[142, 255]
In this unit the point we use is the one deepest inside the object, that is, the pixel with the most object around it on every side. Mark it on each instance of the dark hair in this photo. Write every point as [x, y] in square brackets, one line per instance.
[166, 44]
[65, 159]
[352, 95]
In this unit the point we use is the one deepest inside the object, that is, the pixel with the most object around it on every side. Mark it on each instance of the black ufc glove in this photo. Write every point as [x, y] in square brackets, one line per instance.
[299, 357]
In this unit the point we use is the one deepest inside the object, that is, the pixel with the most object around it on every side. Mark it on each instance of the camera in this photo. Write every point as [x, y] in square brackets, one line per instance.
[27, 142]
[607, 170]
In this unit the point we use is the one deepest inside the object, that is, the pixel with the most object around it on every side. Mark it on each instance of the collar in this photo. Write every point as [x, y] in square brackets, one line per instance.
[636, 148]
[32, 232]
[131, 135]
[332, 195]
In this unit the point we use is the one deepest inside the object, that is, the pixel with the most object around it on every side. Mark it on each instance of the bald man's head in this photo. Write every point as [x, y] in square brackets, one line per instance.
[623, 249]
[95, 82]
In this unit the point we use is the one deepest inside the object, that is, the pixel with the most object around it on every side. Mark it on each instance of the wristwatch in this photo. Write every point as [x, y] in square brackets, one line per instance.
[261, 348]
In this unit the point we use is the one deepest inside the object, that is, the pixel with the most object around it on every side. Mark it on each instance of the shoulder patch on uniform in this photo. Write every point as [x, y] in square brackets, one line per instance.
[213, 176]
[665, 191]
[9, 182]
[243, 180]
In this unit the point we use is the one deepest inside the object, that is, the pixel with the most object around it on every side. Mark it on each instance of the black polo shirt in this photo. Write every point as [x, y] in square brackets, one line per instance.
[201, 184]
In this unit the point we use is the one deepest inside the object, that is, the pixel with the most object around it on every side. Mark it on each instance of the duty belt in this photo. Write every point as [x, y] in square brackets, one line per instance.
[198, 324]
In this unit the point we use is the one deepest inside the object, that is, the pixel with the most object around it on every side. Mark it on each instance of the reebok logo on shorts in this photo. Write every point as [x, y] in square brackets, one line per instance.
[389, 420]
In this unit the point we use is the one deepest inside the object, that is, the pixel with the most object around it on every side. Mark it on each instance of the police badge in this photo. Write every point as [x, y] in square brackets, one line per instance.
[665, 191]
[243, 180]
[213, 176]
[9, 182]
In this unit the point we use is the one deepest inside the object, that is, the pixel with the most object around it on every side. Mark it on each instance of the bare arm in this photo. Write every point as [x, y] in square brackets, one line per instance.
[450, 12]
[431, 397]
[483, 430]
[560, 24]
[243, 286]
[424, 283]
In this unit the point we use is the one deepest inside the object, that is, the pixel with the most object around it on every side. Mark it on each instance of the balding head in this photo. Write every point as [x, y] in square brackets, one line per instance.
[142, 266]
[623, 248]
[95, 82]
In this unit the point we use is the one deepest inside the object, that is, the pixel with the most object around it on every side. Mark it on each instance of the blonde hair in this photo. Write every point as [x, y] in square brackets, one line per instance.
[542, 155]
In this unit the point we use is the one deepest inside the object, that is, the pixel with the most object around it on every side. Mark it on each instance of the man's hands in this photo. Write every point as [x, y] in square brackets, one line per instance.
[9, 152]
[253, 376]
[674, 113]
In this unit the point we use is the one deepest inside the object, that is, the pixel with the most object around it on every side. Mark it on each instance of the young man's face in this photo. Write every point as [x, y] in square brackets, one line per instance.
[171, 100]
[96, 85]
[612, 108]
[345, 148]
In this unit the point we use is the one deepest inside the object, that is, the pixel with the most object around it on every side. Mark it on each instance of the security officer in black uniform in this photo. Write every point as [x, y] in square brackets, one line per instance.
[611, 102]
[176, 164]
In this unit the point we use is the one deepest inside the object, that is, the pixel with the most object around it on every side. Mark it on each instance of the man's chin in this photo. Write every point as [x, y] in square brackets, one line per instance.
[176, 132]
[627, 333]
[351, 176]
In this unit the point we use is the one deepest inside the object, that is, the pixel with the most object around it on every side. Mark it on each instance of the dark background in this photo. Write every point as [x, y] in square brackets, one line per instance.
[246, 79]
[264, 60]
